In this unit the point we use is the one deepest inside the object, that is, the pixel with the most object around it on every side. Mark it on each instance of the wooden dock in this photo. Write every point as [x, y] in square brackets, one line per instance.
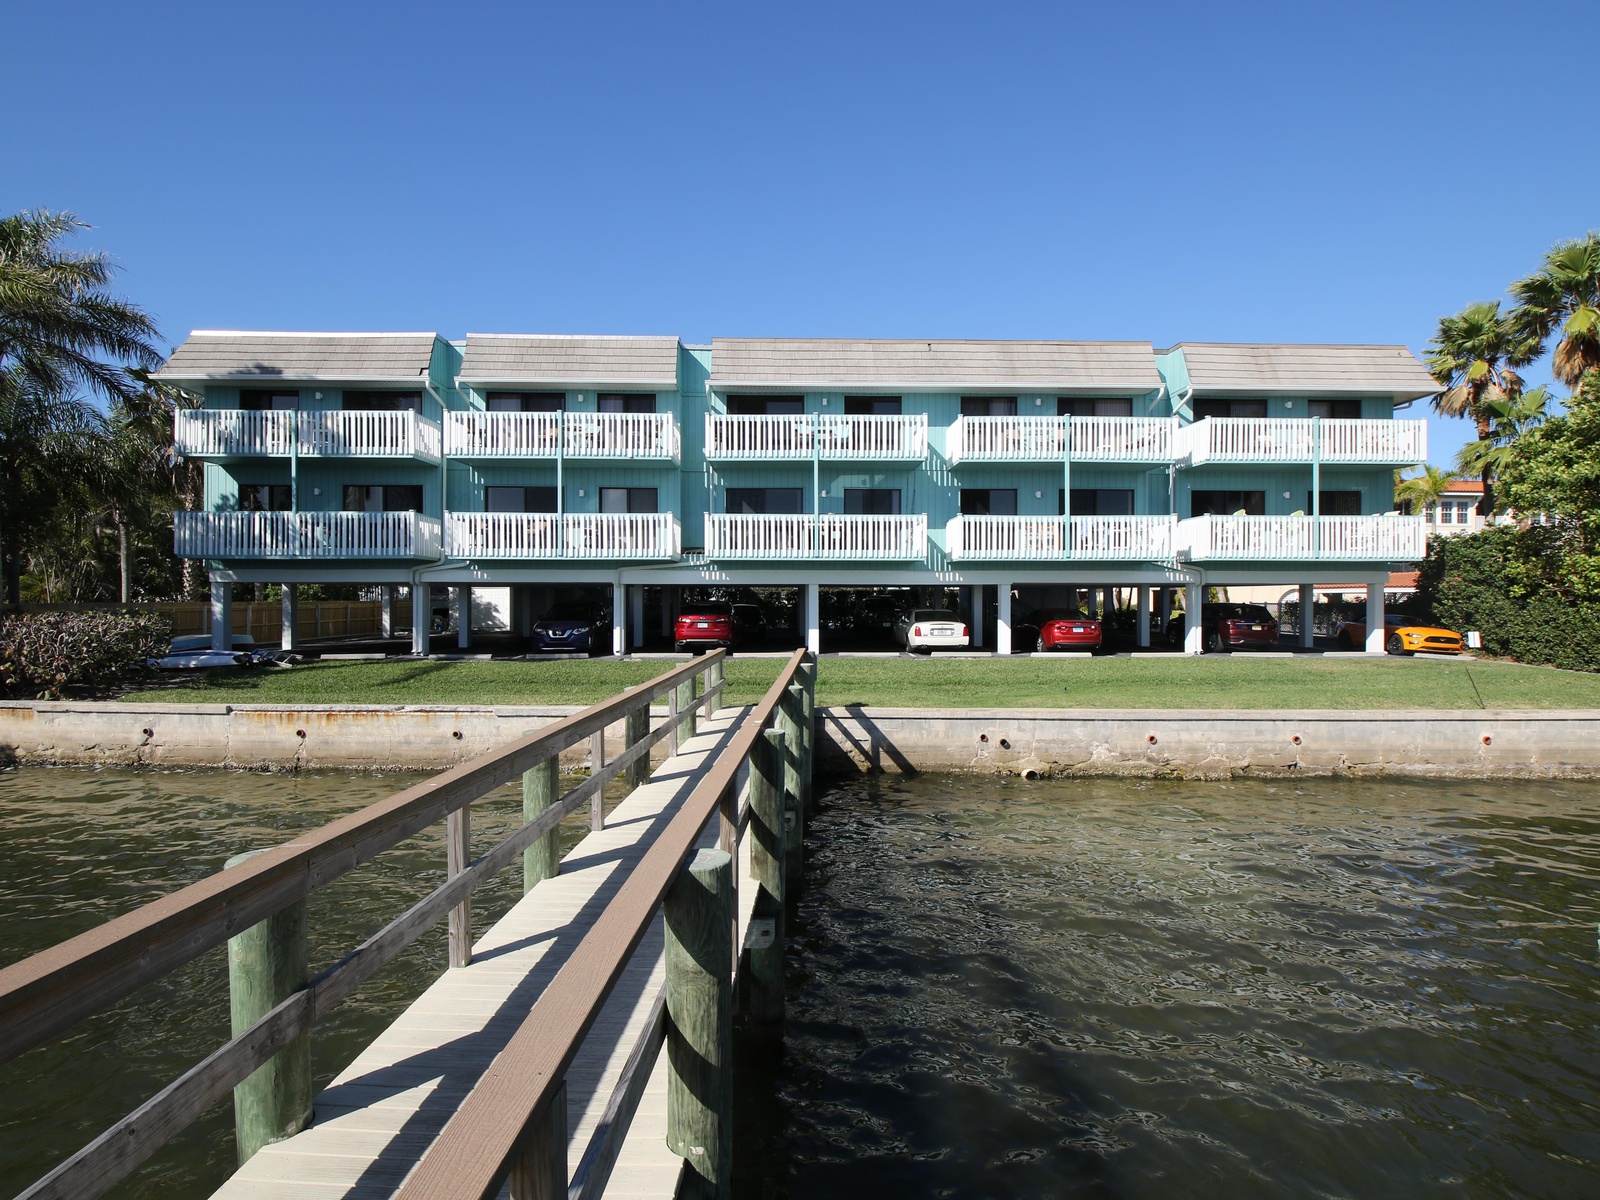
[379, 1115]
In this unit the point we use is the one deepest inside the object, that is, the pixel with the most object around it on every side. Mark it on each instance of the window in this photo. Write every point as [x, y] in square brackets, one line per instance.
[383, 401]
[1099, 502]
[519, 499]
[988, 406]
[1093, 406]
[386, 497]
[259, 399]
[872, 501]
[872, 406]
[1210, 407]
[265, 497]
[619, 402]
[1343, 410]
[988, 502]
[627, 500]
[1336, 504]
[1227, 503]
[764, 500]
[525, 401]
[765, 406]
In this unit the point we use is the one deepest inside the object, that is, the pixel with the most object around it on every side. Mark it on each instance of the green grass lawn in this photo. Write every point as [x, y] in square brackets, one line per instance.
[1232, 681]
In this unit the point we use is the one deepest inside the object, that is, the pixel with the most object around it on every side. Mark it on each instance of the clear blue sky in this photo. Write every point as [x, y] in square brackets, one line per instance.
[1271, 172]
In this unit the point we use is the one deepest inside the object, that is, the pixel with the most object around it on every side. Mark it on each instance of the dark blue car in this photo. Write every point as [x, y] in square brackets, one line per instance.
[571, 628]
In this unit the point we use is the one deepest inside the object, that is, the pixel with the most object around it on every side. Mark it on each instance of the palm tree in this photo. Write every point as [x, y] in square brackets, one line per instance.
[1422, 490]
[1510, 419]
[1564, 294]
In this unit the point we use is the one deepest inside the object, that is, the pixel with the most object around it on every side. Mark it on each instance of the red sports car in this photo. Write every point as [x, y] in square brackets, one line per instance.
[1063, 629]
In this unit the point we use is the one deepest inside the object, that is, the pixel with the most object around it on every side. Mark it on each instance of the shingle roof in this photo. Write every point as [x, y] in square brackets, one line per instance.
[588, 361]
[367, 357]
[925, 365]
[1218, 366]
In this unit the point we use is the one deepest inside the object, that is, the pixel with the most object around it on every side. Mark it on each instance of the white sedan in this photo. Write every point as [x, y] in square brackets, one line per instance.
[924, 629]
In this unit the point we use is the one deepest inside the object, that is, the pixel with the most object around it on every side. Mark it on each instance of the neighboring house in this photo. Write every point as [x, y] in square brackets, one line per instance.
[631, 463]
[1457, 511]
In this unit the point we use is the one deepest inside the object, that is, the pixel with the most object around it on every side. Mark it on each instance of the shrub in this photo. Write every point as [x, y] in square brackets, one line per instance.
[51, 654]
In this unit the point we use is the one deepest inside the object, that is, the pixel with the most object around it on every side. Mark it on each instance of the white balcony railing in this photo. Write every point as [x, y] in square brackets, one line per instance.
[357, 433]
[1281, 440]
[834, 436]
[1350, 539]
[832, 536]
[571, 535]
[232, 432]
[305, 535]
[1046, 439]
[547, 434]
[1055, 539]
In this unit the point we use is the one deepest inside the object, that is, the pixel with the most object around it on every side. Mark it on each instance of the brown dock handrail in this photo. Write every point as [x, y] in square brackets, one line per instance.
[494, 1125]
[49, 992]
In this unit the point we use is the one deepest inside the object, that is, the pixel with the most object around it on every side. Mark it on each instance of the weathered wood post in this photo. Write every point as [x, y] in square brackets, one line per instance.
[714, 678]
[539, 1171]
[699, 920]
[673, 724]
[267, 965]
[597, 763]
[790, 709]
[767, 857]
[540, 790]
[457, 854]
[690, 726]
[808, 733]
[636, 727]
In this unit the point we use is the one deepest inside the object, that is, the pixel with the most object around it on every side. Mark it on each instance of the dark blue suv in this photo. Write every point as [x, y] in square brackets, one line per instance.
[573, 627]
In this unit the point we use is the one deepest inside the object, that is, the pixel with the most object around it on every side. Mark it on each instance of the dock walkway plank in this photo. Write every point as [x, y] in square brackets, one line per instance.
[375, 1120]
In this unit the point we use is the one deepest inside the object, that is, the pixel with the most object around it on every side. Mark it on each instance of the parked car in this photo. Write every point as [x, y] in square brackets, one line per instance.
[749, 625]
[702, 627]
[573, 626]
[1229, 627]
[1401, 636]
[1061, 629]
[193, 651]
[923, 629]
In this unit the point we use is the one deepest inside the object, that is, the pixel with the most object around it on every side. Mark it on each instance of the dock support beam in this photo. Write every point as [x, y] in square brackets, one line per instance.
[540, 789]
[699, 920]
[267, 964]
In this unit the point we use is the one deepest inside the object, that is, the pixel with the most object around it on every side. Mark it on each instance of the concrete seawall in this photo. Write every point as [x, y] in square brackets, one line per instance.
[1132, 742]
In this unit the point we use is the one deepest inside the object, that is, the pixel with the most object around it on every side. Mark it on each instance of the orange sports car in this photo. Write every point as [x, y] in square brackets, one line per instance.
[1403, 636]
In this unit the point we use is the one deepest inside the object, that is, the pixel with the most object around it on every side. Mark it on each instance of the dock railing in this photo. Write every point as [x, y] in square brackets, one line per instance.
[47, 994]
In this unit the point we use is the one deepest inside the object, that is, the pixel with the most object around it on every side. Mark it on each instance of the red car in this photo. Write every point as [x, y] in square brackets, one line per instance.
[1229, 627]
[702, 627]
[1063, 629]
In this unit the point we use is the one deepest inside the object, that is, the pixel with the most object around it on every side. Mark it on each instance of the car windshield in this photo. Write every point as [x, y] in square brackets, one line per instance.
[1246, 612]
[566, 612]
[934, 614]
[714, 609]
[1063, 614]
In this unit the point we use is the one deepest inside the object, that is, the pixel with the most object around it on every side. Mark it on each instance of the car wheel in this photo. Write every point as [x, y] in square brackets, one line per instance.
[682, 646]
[1214, 642]
[1396, 646]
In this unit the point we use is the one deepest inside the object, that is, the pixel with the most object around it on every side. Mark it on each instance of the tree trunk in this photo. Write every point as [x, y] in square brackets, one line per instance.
[194, 575]
[123, 560]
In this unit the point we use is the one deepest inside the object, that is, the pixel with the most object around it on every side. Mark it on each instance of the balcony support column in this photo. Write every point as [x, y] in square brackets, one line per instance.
[812, 607]
[421, 618]
[1375, 630]
[463, 617]
[1194, 634]
[1002, 629]
[1308, 602]
[387, 627]
[636, 615]
[221, 615]
[975, 614]
[1142, 639]
[290, 639]
[619, 626]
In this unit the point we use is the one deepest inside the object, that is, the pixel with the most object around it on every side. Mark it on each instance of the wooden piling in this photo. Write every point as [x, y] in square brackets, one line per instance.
[267, 964]
[807, 674]
[541, 788]
[597, 762]
[714, 678]
[539, 1171]
[767, 859]
[636, 727]
[685, 698]
[789, 721]
[699, 958]
[458, 853]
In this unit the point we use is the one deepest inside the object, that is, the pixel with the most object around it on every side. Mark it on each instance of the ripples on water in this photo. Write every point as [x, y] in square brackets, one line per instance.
[1113, 989]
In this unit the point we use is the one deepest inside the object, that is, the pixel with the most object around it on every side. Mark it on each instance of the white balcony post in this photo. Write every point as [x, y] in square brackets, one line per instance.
[221, 615]
[813, 617]
[1143, 638]
[619, 627]
[290, 639]
[975, 613]
[1194, 640]
[1375, 630]
[1002, 629]
[1308, 602]
[421, 618]
[464, 617]
[387, 627]
[636, 614]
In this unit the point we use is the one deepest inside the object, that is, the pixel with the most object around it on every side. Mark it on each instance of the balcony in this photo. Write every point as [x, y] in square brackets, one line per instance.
[335, 433]
[1059, 539]
[835, 438]
[570, 535]
[1047, 439]
[1302, 440]
[305, 535]
[831, 537]
[1275, 539]
[551, 434]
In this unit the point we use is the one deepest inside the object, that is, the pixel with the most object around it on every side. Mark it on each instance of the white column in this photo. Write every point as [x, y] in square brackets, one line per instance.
[387, 628]
[619, 627]
[636, 615]
[221, 615]
[1375, 630]
[290, 639]
[813, 614]
[1308, 603]
[1193, 634]
[463, 617]
[1002, 631]
[975, 611]
[1143, 639]
[421, 617]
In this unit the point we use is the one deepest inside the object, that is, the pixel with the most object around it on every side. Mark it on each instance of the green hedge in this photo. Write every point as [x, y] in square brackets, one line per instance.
[49, 655]
[1493, 582]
